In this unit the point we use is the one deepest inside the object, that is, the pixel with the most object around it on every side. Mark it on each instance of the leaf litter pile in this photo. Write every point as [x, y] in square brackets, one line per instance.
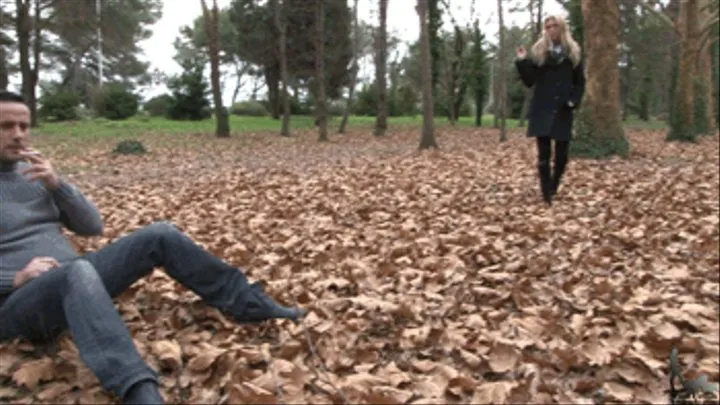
[433, 277]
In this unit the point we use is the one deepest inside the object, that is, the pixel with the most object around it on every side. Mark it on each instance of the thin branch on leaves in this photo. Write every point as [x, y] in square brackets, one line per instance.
[321, 361]
[265, 351]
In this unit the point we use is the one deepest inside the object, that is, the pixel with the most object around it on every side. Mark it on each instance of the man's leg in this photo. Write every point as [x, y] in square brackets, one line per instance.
[133, 256]
[561, 159]
[544, 150]
[73, 296]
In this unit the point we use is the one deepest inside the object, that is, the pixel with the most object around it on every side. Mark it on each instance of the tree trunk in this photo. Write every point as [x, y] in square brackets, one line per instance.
[705, 103]
[355, 69]
[495, 94]
[35, 71]
[381, 72]
[460, 98]
[272, 79]
[644, 96]
[479, 72]
[212, 30]
[239, 73]
[625, 88]
[435, 22]
[716, 78]
[4, 77]
[599, 131]
[320, 106]
[479, 98]
[24, 27]
[451, 95]
[536, 18]
[682, 122]
[502, 90]
[281, 25]
[627, 19]
[427, 140]
[4, 73]
[456, 85]
[705, 70]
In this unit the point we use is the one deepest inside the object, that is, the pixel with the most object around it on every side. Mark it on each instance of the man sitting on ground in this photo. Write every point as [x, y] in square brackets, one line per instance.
[47, 287]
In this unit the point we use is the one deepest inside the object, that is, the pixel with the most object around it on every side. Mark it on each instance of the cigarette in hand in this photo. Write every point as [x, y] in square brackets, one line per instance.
[28, 153]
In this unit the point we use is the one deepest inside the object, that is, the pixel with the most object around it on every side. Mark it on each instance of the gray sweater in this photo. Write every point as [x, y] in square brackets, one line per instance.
[31, 219]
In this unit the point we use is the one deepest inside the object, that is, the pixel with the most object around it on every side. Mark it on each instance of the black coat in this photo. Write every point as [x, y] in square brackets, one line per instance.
[555, 84]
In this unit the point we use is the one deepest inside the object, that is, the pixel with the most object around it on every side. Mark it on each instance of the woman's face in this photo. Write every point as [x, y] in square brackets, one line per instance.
[553, 29]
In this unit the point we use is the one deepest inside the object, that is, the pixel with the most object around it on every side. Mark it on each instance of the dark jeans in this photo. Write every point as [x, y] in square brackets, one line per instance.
[78, 296]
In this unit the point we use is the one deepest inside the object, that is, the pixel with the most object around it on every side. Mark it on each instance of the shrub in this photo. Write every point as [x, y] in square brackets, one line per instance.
[60, 105]
[189, 94]
[336, 108]
[249, 108]
[117, 103]
[158, 106]
[130, 147]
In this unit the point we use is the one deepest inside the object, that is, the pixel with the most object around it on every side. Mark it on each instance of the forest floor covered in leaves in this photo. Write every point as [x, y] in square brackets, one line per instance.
[432, 277]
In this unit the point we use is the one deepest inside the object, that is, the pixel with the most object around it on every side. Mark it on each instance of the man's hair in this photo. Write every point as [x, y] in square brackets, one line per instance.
[9, 96]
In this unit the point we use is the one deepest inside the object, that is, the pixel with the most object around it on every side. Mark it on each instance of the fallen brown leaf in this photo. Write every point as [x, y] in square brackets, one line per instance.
[431, 277]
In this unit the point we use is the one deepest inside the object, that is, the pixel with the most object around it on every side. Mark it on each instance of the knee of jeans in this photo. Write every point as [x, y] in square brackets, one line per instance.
[161, 229]
[84, 273]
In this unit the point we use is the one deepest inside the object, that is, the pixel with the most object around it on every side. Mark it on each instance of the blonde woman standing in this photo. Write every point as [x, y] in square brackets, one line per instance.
[554, 68]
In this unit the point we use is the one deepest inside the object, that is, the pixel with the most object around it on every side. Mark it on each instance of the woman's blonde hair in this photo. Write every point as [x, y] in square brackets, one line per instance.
[540, 48]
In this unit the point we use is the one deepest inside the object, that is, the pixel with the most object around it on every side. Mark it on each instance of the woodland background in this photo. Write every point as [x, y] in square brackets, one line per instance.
[432, 276]
[655, 60]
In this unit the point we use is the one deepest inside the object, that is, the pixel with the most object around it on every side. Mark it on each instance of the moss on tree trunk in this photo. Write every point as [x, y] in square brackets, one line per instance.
[598, 124]
[701, 106]
[427, 138]
[705, 112]
[682, 121]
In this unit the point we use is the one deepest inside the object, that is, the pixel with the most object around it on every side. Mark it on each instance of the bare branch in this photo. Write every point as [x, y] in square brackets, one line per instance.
[446, 4]
[265, 351]
[660, 14]
[315, 354]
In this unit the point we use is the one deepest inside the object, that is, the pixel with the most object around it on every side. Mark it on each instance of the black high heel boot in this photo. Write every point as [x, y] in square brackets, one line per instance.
[557, 175]
[546, 181]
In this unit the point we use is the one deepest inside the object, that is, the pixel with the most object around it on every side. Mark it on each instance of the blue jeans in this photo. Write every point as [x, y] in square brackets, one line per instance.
[78, 296]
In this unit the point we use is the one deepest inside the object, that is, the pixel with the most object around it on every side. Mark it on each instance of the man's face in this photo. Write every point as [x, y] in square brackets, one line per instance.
[14, 130]
[553, 30]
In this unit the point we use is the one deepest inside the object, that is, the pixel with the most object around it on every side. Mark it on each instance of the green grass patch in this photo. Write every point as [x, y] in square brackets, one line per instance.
[651, 125]
[137, 126]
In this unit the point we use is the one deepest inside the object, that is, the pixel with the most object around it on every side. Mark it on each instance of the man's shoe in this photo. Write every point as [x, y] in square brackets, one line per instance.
[144, 392]
[256, 307]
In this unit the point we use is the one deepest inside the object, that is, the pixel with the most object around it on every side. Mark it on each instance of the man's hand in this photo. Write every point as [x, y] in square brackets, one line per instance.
[36, 267]
[41, 169]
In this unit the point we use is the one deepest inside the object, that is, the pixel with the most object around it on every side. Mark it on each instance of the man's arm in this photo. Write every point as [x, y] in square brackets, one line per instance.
[77, 213]
[7, 280]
